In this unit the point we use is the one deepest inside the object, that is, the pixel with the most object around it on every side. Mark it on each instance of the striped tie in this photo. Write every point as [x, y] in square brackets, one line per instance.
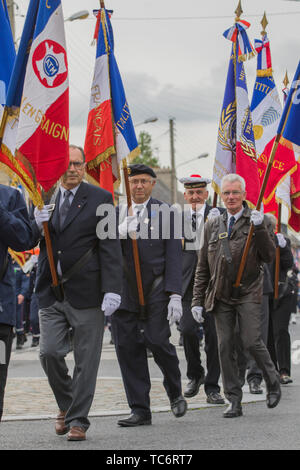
[231, 223]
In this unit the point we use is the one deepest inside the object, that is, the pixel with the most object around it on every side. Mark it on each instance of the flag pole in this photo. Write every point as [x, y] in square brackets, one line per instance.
[261, 194]
[3, 123]
[277, 261]
[45, 224]
[238, 13]
[135, 247]
[134, 240]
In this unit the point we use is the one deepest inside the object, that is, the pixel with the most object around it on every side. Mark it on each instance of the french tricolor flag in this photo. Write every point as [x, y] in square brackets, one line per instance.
[110, 135]
[99, 139]
[39, 89]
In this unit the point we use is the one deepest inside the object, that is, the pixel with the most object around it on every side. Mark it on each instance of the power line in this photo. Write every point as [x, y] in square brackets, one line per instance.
[188, 18]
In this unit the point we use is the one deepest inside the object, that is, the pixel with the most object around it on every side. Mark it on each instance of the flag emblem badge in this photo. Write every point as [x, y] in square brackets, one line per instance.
[49, 62]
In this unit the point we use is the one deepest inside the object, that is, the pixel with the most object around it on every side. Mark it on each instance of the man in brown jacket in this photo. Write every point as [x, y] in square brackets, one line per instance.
[219, 260]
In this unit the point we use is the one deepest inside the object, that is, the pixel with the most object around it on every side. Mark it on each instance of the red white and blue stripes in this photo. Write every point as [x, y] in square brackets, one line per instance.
[237, 33]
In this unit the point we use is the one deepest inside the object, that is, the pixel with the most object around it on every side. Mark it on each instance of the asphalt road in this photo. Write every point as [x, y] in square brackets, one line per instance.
[200, 429]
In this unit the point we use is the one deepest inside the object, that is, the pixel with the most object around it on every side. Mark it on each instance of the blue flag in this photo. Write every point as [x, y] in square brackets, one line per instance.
[289, 124]
[126, 142]
[7, 52]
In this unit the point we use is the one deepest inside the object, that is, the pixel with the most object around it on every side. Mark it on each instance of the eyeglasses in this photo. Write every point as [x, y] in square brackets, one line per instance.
[198, 192]
[234, 193]
[136, 182]
[76, 165]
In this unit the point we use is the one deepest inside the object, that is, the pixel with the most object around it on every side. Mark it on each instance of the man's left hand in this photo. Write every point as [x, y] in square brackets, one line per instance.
[174, 309]
[111, 303]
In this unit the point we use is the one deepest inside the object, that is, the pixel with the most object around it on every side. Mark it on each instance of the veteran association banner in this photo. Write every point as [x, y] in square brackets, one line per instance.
[266, 113]
[236, 151]
[38, 98]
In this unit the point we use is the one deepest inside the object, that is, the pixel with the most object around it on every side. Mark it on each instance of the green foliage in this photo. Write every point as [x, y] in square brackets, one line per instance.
[146, 156]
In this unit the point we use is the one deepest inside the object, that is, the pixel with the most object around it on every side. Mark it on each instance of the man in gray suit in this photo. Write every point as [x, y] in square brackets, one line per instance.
[90, 271]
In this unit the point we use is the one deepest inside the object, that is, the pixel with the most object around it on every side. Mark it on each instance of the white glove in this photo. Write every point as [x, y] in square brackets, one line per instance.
[42, 215]
[174, 309]
[257, 217]
[281, 240]
[197, 314]
[111, 303]
[28, 265]
[214, 212]
[129, 225]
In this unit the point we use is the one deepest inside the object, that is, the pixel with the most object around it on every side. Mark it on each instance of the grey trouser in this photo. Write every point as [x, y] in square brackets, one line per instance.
[73, 395]
[248, 316]
[254, 371]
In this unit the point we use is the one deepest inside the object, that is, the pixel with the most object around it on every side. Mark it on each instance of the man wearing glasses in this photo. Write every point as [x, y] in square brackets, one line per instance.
[161, 272]
[90, 272]
[220, 257]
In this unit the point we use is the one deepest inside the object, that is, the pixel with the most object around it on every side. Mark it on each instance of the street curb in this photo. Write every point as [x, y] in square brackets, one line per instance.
[99, 414]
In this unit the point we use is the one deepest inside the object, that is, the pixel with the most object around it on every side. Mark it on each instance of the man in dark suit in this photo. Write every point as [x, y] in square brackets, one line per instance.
[15, 233]
[194, 217]
[91, 272]
[161, 272]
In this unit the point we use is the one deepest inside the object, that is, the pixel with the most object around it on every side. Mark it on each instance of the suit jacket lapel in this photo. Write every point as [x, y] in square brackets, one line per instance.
[78, 203]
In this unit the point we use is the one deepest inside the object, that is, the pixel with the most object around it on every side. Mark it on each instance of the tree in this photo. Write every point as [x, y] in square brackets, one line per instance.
[146, 156]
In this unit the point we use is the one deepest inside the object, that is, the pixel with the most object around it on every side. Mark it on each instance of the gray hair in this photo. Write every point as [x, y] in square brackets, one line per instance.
[232, 178]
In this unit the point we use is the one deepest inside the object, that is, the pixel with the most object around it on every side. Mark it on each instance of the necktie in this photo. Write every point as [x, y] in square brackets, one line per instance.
[231, 223]
[138, 209]
[194, 221]
[65, 207]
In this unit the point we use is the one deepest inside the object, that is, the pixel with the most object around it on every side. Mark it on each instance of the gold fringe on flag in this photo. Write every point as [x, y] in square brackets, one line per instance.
[264, 72]
[23, 176]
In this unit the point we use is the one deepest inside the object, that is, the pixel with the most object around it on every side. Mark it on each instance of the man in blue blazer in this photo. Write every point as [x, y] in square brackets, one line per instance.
[15, 233]
[90, 269]
[160, 256]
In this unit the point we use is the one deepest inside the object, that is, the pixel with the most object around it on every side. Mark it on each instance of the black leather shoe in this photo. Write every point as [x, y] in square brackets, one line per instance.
[214, 398]
[234, 410]
[178, 406]
[273, 394]
[255, 388]
[134, 420]
[193, 386]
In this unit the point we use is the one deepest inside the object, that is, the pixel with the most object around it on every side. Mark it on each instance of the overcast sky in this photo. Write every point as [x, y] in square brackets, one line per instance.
[173, 59]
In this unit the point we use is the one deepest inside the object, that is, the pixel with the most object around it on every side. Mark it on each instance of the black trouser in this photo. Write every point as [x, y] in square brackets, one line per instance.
[280, 342]
[132, 338]
[189, 330]
[6, 339]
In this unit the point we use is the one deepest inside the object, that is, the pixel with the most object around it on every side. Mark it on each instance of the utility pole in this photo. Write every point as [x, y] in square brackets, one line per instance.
[173, 170]
[11, 12]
